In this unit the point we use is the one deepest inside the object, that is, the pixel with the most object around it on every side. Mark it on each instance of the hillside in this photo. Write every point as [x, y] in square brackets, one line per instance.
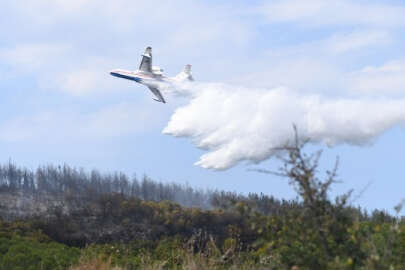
[64, 218]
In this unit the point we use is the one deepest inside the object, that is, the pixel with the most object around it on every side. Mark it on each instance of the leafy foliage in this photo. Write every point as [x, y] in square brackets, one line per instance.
[23, 247]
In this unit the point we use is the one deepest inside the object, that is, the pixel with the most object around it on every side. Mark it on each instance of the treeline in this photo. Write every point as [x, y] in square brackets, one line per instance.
[59, 182]
[65, 180]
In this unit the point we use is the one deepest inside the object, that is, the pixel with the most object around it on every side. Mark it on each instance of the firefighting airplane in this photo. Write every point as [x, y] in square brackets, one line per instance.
[152, 76]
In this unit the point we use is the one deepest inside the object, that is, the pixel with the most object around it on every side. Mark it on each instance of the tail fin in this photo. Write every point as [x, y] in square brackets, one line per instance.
[146, 62]
[185, 75]
[187, 69]
[148, 51]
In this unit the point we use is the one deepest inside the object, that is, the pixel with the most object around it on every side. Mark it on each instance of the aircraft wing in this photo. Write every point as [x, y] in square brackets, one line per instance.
[157, 93]
[146, 62]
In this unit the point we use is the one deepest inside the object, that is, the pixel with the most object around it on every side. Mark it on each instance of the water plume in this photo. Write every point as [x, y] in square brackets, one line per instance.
[235, 124]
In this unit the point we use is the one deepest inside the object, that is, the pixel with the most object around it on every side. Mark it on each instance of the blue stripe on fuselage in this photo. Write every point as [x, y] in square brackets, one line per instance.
[126, 77]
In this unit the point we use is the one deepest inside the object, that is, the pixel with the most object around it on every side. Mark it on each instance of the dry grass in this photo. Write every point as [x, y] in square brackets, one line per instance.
[190, 263]
[100, 263]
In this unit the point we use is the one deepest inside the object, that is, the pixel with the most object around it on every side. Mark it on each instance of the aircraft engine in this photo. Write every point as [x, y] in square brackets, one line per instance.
[157, 70]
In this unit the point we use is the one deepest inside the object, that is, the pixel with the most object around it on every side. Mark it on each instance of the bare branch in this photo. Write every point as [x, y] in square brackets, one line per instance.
[268, 172]
[301, 169]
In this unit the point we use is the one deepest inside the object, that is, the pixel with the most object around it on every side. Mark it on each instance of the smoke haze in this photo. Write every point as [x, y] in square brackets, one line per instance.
[235, 124]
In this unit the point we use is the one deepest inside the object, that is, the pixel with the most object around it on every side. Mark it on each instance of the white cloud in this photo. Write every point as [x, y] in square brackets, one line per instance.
[59, 66]
[245, 124]
[70, 126]
[336, 44]
[31, 57]
[296, 72]
[79, 82]
[72, 45]
[315, 13]
[387, 79]
[314, 66]
[178, 22]
[342, 43]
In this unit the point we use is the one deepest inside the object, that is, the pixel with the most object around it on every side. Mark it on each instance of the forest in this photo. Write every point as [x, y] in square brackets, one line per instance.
[59, 217]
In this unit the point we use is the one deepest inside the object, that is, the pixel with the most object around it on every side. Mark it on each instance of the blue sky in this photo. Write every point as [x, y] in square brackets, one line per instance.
[59, 104]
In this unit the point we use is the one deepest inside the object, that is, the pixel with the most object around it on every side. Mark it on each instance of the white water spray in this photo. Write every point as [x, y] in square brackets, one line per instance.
[237, 124]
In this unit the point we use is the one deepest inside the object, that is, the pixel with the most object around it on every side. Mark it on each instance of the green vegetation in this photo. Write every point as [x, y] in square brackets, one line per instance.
[267, 242]
[118, 229]
[23, 247]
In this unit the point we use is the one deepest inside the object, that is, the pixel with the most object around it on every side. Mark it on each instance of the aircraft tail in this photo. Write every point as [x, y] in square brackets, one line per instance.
[185, 75]
[146, 62]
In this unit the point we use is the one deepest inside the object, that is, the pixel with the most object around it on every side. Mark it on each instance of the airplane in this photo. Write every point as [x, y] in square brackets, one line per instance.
[152, 76]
